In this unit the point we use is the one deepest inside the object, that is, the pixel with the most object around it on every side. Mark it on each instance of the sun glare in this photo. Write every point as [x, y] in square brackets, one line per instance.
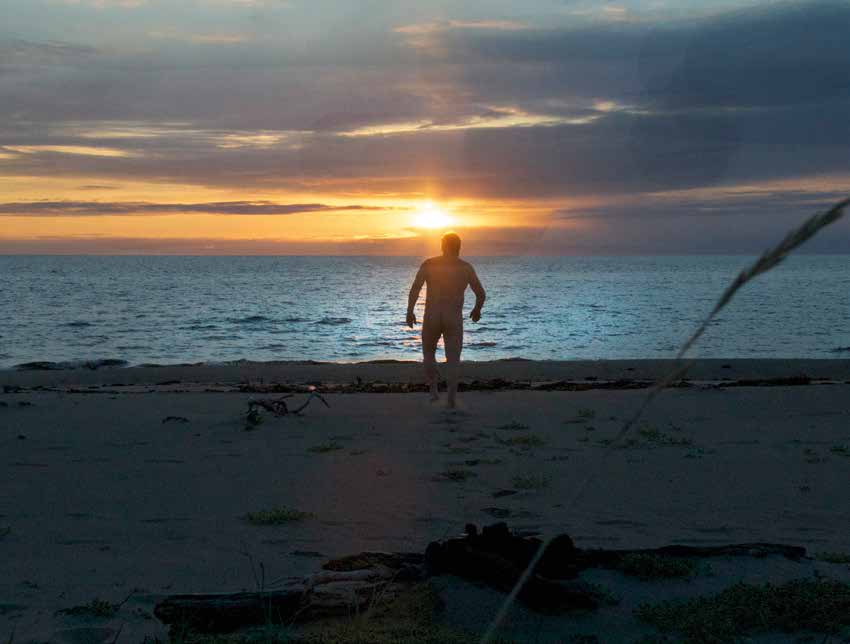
[431, 216]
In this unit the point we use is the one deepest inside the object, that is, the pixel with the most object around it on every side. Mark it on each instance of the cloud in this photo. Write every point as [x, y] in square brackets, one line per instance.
[84, 150]
[445, 25]
[201, 38]
[100, 208]
[107, 4]
[498, 109]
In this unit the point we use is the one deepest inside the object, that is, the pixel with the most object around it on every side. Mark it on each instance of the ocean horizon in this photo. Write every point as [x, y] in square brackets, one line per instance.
[190, 309]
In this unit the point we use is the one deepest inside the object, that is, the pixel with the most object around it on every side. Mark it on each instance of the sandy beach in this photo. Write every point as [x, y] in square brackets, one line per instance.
[137, 480]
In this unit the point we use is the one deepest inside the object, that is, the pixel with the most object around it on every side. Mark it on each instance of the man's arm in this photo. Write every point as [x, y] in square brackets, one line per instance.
[418, 281]
[480, 295]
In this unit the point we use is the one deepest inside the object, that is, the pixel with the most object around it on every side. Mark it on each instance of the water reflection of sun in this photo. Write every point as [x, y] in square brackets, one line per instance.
[432, 217]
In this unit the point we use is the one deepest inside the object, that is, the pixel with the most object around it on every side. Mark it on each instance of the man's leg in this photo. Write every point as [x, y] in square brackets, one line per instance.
[430, 336]
[453, 339]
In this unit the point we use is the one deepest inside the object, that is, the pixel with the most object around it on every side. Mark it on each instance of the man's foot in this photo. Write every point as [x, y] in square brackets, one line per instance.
[434, 393]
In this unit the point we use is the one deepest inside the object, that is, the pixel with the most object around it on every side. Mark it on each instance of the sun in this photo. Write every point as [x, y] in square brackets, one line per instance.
[431, 217]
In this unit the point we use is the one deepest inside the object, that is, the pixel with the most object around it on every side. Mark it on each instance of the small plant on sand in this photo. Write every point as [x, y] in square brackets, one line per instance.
[324, 448]
[647, 567]
[841, 450]
[745, 610]
[833, 557]
[95, 608]
[253, 419]
[655, 436]
[531, 481]
[410, 618]
[5, 531]
[584, 639]
[812, 456]
[513, 426]
[603, 594]
[457, 475]
[585, 413]
[277, 516]
[526, 441]
[456, 450]
[699, 452]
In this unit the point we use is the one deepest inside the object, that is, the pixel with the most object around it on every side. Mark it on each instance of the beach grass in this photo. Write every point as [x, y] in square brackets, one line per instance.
[526, 441]
[833, 557]
[456, 474]
[324, 448]
[841, 450]
[531, 481]
[649, 567]
[408, 619]
[745, 610]
[514, 426]
[95, 608]
[277, 516]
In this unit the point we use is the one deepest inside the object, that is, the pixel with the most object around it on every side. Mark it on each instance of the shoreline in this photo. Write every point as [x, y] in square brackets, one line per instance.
[506, 372]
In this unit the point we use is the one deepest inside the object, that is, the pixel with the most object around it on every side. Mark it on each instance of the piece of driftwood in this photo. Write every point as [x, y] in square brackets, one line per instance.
[344, 587]
[493, 556]
[498, 558]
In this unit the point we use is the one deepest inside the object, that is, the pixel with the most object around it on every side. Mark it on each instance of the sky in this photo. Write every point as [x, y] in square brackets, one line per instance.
[539, 127]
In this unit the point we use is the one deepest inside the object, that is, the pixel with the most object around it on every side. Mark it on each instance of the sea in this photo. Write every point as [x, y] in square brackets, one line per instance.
[67, 310]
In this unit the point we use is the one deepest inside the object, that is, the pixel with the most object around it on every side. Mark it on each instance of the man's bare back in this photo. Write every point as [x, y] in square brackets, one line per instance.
[447, 277]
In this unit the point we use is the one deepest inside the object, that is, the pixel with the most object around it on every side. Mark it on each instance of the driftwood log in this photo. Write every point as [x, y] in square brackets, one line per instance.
[494, 556]
[341, 589]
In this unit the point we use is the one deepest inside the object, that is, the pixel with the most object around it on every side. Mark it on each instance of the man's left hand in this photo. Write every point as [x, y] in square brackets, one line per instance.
[475, 315]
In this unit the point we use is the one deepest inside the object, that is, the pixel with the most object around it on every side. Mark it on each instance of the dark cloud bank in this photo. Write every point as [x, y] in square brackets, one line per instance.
[745, 97]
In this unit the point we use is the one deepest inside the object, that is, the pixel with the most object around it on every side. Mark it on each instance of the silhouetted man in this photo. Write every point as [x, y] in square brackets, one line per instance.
[447, 277]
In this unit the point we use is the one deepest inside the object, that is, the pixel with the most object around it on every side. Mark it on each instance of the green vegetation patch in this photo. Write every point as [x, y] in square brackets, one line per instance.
[655, 436]
[324, 448]
[277, 516]
[408, 619]
[95, 608]
[531, 481]
[514, 426]
[742, 610]
[253, 419]
[834, 557]
[525, 441]
[456, 474]
[647, 566]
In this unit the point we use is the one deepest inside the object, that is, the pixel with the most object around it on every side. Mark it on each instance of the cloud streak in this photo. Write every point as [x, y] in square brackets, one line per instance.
[102, 208]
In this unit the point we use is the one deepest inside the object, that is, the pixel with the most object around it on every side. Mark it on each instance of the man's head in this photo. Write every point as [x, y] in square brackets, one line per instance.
[451, 244]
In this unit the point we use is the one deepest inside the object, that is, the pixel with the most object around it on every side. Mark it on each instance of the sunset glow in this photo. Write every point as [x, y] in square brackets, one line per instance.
[432, 217]
[521, 124]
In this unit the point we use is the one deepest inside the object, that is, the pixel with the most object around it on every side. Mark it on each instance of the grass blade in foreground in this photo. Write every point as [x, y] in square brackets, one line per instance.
[770, 259]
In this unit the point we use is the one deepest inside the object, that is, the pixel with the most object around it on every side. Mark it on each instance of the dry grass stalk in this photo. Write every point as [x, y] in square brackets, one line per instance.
[769, 260]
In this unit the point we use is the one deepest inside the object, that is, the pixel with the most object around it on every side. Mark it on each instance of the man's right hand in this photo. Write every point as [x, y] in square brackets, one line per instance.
[411, 319]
